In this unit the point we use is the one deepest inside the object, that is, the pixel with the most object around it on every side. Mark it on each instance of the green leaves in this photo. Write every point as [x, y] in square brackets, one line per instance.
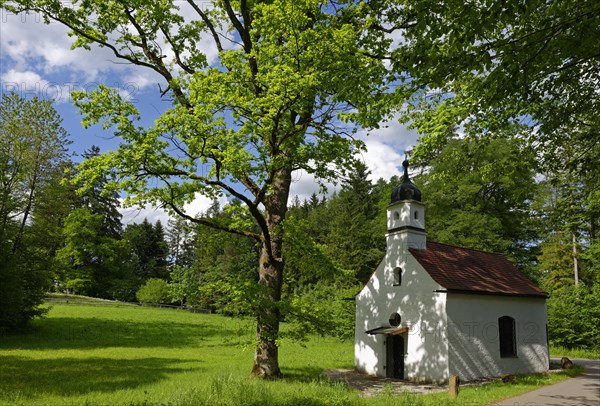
[477, 195]
[32, 159]
[497, 63]
[574, 316]
[107, 106]
[88, 258]
[154, 291]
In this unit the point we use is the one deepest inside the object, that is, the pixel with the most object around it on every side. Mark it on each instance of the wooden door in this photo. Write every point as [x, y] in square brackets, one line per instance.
[395, 357]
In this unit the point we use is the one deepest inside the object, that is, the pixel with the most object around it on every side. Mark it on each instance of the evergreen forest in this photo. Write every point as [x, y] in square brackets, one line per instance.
[493, 194]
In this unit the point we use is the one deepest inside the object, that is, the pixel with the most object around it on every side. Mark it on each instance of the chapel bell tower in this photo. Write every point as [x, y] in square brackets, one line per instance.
[406, 215]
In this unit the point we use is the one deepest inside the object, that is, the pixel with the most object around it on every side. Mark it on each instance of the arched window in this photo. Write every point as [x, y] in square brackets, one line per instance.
[396, 215]
[397, 276]
[507, 336]
[416, 214]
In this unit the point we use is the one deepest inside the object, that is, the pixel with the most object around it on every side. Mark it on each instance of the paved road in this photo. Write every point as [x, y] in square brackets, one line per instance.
[581, 390]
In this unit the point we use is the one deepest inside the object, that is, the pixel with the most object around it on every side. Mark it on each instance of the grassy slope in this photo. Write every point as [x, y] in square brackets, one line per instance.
[104, 355]
[559, 352]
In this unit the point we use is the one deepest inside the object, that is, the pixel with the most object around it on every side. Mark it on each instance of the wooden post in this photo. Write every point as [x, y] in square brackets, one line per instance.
[453, 384]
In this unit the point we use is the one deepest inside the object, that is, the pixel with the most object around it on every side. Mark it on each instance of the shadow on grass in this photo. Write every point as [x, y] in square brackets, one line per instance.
[25, 377]
[90, 333]
[304, 375]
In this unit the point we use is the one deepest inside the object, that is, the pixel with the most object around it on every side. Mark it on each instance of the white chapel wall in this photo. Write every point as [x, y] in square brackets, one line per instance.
[422, 310]
[473, 342]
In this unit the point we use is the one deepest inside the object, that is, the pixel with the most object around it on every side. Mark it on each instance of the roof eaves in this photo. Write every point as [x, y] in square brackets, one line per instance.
[543, 295]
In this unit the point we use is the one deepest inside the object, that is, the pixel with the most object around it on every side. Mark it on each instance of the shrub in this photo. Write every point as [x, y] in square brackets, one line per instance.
[23, 284]
[11, 295]
[155, 291]
[322, 308]
[574, 317]
[124, 290]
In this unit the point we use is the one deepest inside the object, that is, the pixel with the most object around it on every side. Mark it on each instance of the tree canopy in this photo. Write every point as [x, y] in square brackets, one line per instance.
[484, 64]
[291, 84]
[479, 195]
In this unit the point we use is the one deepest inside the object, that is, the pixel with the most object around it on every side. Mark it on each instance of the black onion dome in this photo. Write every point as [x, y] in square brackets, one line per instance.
[406, 190]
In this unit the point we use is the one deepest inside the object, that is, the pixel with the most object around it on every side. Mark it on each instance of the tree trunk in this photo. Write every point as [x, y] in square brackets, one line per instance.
[266, 356]
[32, 189]
[575, 264]
[270, 279]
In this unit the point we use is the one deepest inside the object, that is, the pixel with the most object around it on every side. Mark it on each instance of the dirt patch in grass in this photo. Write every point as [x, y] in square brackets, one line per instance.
[372, 385]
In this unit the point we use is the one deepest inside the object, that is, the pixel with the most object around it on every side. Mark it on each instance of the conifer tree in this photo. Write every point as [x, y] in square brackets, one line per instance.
[353, 244]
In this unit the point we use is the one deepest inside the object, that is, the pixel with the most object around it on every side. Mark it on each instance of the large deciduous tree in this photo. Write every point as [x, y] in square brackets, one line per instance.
[479, 67]
[292, 82]
[32, 158]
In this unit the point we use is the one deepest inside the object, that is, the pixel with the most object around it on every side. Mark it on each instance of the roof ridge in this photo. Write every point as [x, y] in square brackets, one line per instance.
[470, 249]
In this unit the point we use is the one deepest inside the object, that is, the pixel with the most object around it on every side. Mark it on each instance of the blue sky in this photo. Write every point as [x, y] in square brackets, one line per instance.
[36, 60]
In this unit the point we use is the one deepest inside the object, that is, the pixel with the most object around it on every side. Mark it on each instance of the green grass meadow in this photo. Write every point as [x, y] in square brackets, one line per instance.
[559, 352]
[96, 353]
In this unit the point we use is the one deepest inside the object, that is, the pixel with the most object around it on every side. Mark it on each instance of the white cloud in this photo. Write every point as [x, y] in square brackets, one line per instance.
[382, 160]
[29, 78]
[29, 45]
[137, 214]
[394, 134]
[137, 81]
[201, 204]
[29, 83]
[385, 148]
[304, 185]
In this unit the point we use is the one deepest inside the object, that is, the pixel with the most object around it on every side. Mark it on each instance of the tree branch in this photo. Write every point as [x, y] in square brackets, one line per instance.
[202, 221]
[208, 23]
[79, 31]
[252, 207]
[244, 31]
[176, 52]
[244, 34]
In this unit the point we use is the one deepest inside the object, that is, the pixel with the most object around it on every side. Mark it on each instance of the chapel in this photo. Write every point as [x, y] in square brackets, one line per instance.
[433, 310]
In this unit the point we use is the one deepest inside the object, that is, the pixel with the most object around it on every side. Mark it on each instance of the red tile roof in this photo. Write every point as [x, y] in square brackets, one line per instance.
[471, 271]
